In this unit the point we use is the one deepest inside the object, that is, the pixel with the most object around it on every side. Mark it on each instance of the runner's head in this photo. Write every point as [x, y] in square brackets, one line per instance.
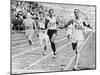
[76, 13]
[41, 15]
[51, 12]
[28, 15]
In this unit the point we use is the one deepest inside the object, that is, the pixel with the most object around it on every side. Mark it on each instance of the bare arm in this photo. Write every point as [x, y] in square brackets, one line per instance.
[84, 24]
[23, 24]
[34, 24]
[68, 23]
[46, 23]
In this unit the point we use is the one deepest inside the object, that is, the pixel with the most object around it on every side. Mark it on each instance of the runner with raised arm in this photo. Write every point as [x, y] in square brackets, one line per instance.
[77, 33]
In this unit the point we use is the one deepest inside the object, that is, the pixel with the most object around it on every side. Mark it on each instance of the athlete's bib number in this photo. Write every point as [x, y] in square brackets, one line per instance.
[78, 27]
[52, 24]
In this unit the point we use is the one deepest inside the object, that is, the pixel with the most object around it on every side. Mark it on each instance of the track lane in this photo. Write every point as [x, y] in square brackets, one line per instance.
[25, 60]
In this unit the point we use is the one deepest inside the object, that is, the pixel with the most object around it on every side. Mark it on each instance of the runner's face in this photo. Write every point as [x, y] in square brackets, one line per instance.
[41, 15]
[19, 3]
[51, 12]
[76, 13]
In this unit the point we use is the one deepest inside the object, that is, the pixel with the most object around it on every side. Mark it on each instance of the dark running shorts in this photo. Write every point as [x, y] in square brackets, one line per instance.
[51, 32]
[74, 46]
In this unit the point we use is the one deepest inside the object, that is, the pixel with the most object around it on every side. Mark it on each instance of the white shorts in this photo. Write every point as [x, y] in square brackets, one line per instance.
[29, 31]
[77, 36]
[44, 39]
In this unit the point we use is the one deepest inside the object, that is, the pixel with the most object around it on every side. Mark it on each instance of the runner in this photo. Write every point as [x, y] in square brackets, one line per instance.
[43, 37]
[77, 34]
[50, 22]
[29, 23]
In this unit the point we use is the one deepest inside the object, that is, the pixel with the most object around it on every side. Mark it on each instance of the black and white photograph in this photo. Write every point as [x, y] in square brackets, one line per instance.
[52, 37]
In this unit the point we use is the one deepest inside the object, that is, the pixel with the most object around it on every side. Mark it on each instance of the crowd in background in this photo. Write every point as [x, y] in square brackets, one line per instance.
[19, 11]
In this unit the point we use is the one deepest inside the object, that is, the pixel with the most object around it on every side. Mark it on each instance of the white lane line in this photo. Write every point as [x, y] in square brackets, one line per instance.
[46, 56]
[35, 48]
[23, 36]
[25, 52]
[25, 40]
[13, 36]
[22, 45]
[70, 62]
[15, 39]
[13, 47]
[18, 71]
[13, 42]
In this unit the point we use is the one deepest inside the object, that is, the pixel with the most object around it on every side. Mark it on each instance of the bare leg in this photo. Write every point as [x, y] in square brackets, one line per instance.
[76, 59]
[68, 36]
[53, 45]
[46, 41]
[41, 39]
[45, 44]
[45, 48]
[31, 32]
[77, 54]
[30, 39]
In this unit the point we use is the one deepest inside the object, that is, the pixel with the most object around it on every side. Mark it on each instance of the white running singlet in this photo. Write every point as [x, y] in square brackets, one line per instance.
[77, 30]
[52, 23]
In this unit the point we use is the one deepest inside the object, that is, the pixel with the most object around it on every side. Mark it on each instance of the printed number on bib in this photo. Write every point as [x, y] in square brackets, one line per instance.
[51, 24]
[78, 27]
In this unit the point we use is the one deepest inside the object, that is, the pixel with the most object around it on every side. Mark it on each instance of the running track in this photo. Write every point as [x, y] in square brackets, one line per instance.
[29, 60]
